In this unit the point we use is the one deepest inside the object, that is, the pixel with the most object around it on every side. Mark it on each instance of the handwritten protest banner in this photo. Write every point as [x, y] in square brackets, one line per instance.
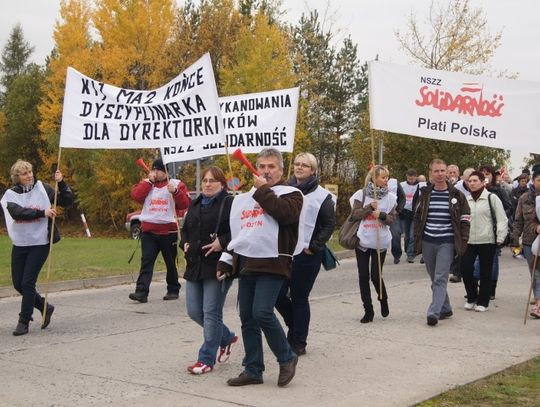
[498, 113]
[252, 122]
[183, 112]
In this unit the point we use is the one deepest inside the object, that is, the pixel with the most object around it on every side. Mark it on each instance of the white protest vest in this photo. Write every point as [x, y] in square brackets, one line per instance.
[27, 232]
[534, 247]
[312, 203]
[409, 191]
[367, 232]
[159, 205]
[254, 232]
[393, 186]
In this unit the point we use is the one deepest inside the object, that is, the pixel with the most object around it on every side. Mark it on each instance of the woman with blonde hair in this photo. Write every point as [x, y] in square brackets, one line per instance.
[319, 224]
[28, 212]
[376, 207]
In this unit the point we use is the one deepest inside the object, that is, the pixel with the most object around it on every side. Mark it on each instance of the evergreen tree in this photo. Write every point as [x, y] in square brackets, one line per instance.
[15, 57]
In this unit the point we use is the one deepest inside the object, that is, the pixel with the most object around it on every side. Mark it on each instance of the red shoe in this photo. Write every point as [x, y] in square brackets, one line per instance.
[199, 368]
[225, 351]
[535, 312]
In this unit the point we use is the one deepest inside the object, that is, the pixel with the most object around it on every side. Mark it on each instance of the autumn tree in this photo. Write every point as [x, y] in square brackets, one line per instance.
[260, 61]
[454, 36]
[212, 27]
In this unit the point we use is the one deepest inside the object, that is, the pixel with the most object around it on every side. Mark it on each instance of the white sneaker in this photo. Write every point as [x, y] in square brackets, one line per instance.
[480, 308]
[469, 306]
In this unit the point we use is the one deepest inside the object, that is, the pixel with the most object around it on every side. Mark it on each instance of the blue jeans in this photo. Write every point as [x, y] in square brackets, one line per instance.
[295, 310]
[204, 303]
[527, 252]
[257, 295]
[407, 227]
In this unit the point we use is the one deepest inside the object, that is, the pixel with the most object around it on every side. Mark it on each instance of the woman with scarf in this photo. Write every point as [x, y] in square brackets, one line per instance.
[320, 220]
[527, 226]
[489, 227]
[376, 207]
[205, 233]
[28, 212]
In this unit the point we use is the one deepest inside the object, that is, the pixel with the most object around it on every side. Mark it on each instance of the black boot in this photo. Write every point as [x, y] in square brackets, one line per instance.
[493, 288]
[384, 308]
[139, 296]
[368, 315]
[48, 315]
[21, 329]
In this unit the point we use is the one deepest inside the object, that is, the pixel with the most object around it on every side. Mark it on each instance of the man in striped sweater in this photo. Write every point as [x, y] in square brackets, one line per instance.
[441, 228]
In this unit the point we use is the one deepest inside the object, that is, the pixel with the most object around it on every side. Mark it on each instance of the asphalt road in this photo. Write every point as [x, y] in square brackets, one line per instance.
[103, 349]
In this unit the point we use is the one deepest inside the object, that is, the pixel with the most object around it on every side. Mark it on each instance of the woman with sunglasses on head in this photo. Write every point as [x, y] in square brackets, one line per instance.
[28, 212]
[376, 207]
[320, 221]
[205, 233]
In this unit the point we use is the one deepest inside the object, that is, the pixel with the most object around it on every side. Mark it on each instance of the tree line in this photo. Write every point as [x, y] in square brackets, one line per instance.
[143, 44]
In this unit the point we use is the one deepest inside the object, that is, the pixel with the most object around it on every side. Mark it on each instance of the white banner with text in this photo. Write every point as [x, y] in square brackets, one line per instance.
[183, 112]
[252, 122]
[498, 113]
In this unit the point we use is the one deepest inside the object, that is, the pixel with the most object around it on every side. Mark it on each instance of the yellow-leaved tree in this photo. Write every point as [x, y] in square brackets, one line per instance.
[73, 47]
[260, 62]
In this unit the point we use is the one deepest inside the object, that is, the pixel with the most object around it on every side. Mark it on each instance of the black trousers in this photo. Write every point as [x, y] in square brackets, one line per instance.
[295, 310]
[364, 272]
[485, 253]
[151, 246]
[26, 263]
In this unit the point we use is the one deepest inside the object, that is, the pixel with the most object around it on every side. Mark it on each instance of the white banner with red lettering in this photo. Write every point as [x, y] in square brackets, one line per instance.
[184, 112]
[498, 113]
[252, 122]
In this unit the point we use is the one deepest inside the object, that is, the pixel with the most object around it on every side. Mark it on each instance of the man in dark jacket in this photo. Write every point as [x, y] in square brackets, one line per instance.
[265, 232]
[441, 227]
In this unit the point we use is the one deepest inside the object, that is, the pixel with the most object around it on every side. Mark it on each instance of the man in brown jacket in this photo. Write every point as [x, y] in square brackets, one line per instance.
[442, 221]
[265, 232]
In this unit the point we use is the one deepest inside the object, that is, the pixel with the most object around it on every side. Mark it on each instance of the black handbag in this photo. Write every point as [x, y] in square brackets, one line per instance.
[329, 259]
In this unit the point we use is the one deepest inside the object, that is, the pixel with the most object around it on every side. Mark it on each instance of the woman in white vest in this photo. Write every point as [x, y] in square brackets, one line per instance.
[319, 224]
[376, 207]
[28, 213]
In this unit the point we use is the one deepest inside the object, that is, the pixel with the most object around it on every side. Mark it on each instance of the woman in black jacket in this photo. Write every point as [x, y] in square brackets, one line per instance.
[320, 221]
[205, 233]
[28, 213]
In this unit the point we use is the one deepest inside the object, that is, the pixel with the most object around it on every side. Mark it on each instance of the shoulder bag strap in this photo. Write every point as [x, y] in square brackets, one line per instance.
[493, 217]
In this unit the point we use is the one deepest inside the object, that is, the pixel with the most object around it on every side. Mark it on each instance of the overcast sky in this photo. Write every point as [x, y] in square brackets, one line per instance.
[371, 24]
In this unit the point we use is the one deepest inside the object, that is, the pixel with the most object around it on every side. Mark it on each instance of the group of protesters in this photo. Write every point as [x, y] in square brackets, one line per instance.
[273, 239]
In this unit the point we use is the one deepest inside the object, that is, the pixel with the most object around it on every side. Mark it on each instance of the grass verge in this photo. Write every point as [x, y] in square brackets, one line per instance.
[516, 386]
[81, 258]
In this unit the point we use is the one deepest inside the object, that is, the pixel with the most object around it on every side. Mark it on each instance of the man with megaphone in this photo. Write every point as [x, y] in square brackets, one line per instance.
[159, 228]
[266, 232]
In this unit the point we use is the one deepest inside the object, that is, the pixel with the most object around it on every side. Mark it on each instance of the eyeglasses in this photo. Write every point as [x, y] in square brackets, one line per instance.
[209, 181]
[303, 165]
